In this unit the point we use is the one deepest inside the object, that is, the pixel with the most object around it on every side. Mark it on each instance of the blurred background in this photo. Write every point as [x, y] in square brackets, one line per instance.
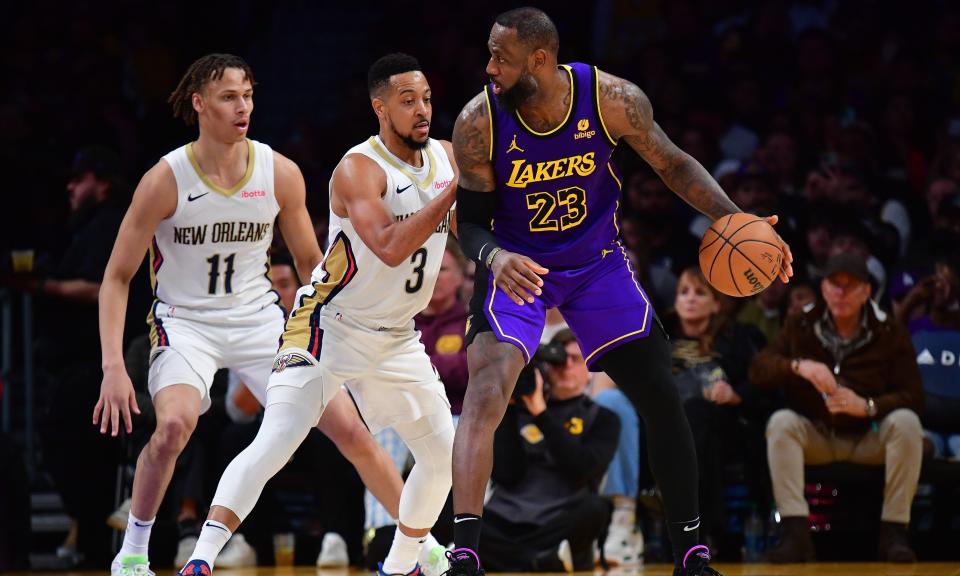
[843, 117]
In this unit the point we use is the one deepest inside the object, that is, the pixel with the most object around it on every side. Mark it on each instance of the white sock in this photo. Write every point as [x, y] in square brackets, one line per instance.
[213, 537]
[403, 553]
[430, 543]
[136, 539]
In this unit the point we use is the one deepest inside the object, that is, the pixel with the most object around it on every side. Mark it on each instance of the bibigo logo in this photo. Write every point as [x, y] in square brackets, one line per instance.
[582, 125]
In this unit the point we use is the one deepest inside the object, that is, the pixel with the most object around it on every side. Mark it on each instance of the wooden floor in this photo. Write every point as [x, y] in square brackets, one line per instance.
[837, 569]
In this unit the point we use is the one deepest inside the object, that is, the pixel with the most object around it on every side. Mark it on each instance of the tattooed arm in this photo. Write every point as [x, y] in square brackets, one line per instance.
[471, 146]
[627, 114]
[516, 275]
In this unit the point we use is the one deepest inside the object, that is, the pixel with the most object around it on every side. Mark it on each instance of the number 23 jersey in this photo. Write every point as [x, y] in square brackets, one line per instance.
[353, 278]
[212, 254]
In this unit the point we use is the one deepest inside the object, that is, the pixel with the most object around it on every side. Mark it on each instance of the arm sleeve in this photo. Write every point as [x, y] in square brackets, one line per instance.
[509, 459]
[475, 223]
[585, 458]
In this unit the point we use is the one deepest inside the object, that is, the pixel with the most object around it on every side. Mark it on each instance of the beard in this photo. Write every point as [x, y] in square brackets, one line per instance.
[511, 100]
[408, 140]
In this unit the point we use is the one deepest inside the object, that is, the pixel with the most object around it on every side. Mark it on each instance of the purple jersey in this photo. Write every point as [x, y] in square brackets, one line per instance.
[557, 191]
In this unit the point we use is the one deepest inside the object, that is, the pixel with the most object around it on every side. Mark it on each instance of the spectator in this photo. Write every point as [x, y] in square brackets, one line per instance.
[72, 372]
[550, 453]
[443, 323]
[852, 391]
[711, 354]
[765, 310]
[931, 312]
[624, 544]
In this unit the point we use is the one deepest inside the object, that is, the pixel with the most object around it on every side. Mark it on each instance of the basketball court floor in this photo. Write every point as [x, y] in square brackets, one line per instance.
[831, 569]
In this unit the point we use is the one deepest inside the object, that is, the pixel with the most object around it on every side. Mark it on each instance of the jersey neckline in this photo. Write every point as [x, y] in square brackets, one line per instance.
[403, 167]
[566, 119]
[210, 184]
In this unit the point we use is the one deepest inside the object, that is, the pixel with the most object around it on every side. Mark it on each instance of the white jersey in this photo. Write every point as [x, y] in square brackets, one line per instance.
[358, 280]
[212, 254]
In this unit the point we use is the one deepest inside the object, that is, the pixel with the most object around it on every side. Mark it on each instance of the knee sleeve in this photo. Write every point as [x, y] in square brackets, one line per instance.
[430, 440]
[283, 429]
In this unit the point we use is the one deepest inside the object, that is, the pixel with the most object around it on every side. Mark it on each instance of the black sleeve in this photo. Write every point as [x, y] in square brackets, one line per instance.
[585, 458]
[509, 459]
[474, 223]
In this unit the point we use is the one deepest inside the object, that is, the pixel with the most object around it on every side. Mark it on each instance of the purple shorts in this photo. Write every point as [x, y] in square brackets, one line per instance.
[601, 301]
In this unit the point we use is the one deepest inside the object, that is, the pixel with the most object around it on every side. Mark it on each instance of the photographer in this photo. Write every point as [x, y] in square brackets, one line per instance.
[550, 453]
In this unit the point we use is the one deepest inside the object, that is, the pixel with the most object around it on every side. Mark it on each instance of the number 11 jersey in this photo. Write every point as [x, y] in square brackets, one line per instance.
[212, 254]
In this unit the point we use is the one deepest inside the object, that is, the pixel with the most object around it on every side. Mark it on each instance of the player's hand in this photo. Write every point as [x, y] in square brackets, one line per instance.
[818, 374]
[722, 393]
[846, 401]
[786, 267]
[518, 276]
[117, 400]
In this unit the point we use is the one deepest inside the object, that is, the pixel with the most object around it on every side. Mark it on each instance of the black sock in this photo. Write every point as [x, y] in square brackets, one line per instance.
[683, 537]
[466, 531]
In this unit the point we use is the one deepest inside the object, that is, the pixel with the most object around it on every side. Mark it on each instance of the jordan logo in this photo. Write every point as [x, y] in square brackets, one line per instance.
[513, 146]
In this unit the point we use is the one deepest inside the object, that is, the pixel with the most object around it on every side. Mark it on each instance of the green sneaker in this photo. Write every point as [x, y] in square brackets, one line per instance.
[130, 565]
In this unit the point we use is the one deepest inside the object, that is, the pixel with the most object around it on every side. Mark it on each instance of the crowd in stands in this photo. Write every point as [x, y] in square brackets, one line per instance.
[842, 118]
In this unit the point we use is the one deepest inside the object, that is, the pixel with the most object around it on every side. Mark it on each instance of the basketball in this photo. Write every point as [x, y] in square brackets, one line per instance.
[740, 254]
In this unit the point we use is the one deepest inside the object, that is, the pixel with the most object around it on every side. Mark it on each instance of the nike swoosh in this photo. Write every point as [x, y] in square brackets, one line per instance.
[192, 198]
[135, 523]
[399, 189]
[224, 529]
[691, 528]
[459, 520]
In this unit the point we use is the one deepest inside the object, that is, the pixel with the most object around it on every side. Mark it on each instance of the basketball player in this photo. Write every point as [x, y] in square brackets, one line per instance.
[390, 211]
[206, 211]
[534, 150]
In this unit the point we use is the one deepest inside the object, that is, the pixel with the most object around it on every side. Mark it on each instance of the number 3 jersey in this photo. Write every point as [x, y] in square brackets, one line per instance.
[352, 277]
[557, 192]
[212, 254]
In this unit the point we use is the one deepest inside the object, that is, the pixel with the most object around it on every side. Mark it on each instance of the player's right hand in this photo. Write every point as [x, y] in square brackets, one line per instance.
[518, 276]
[117, 399]
[818, 374]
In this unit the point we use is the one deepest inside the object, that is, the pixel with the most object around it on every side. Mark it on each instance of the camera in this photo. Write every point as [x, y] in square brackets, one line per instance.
[550, 353]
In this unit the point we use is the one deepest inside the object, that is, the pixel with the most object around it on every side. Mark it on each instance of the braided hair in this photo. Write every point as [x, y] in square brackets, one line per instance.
[204, 70]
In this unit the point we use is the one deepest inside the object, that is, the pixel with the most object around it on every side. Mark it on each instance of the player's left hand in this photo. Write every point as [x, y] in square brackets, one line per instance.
[846, 401]
[786, 267]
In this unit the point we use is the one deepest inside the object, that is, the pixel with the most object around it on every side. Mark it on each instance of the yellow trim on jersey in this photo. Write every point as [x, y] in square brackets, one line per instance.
[573, 100]
[493, 293]
[389, 159]
[646, 313]
[486, 96]
[153, 273]
[619, 183]
[225, 191]
[596, 93]
[615, 225]
[297, 332]
[151, 321]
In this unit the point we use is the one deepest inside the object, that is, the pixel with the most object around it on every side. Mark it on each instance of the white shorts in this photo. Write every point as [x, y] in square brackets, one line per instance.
[387, 371]
[190, 350]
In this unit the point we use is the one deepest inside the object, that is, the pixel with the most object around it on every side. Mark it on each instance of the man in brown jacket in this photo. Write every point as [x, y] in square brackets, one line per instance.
[853, 391]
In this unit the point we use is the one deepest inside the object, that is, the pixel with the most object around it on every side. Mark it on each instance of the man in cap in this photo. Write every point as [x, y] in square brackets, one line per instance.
[852, 390]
